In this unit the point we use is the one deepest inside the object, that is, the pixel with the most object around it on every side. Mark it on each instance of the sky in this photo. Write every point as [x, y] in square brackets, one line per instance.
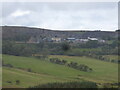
[61, 15]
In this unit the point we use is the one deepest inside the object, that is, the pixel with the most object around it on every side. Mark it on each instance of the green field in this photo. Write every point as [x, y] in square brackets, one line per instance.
[46, 71]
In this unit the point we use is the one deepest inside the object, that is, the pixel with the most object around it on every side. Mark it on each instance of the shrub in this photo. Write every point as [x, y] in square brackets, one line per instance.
[17, 81]
[8, 65]
[9, 82]
[29, 70]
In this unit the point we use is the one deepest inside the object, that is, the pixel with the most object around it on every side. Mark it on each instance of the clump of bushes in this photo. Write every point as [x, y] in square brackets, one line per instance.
[115, 61]
[7, 65]
[17, 82]
[75, 84]
[58, 61]
[10, 82]
[102, 58]
[111, 85]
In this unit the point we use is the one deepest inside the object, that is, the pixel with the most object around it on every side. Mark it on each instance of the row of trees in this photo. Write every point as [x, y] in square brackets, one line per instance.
[102, 58]
[12, 48]
[43, 48]
[80, 67]
[74, 65]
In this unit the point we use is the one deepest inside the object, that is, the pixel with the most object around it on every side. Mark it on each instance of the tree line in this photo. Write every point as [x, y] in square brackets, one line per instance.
[65, 48]
[74, 65]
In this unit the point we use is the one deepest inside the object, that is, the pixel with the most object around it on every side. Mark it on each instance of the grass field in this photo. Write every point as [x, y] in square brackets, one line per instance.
[26, 78]
[103, 72]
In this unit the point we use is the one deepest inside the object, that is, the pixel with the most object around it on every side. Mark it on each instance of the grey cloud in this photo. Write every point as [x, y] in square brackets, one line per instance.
[10, 7]
[63, 15]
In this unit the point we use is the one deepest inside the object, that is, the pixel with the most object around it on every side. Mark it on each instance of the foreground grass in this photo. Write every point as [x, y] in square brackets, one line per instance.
[103, 72]
[26, 78]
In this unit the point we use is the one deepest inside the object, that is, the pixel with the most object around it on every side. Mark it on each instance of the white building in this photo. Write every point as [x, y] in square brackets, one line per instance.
[84, 40]
[92, 38]
[56, 39]
[102, 41]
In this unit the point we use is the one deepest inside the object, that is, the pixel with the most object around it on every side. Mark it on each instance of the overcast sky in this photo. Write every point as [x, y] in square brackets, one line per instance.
[61, 16]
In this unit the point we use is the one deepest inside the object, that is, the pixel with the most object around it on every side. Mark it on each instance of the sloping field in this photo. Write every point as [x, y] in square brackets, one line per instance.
[103, 71]
[48, 72]
[26, 78]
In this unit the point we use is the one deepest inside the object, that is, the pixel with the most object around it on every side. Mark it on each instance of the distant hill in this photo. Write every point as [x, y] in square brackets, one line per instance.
[12, 32]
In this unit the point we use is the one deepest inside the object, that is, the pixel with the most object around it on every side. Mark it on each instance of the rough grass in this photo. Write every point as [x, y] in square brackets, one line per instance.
[26, 78]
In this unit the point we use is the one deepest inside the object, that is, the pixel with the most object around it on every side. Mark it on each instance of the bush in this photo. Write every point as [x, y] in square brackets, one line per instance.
[8, 65]
[9, 82]
[29, 70]
[65, 46]
[17, 82]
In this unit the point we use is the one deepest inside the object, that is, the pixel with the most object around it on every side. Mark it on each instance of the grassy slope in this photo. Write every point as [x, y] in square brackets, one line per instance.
[40, 66]
[103, 71]
[26, 78]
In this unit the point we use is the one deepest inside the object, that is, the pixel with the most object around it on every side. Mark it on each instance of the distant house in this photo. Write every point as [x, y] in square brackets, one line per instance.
[84, 40]
[80, 40]
[92, 38]
[56, 39]
[102, 41]
[99, 40]
[71, 39]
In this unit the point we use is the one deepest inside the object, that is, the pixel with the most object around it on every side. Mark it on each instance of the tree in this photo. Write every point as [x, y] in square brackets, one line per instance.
[92, 44]
[64, 61]
[27, 51]
[65, 46]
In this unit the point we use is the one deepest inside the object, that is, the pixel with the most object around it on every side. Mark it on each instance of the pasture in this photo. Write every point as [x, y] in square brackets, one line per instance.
[43, 71]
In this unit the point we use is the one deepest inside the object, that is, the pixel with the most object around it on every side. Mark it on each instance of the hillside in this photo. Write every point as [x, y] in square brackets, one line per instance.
[14, 32]
[33, 56]
[45, 71]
